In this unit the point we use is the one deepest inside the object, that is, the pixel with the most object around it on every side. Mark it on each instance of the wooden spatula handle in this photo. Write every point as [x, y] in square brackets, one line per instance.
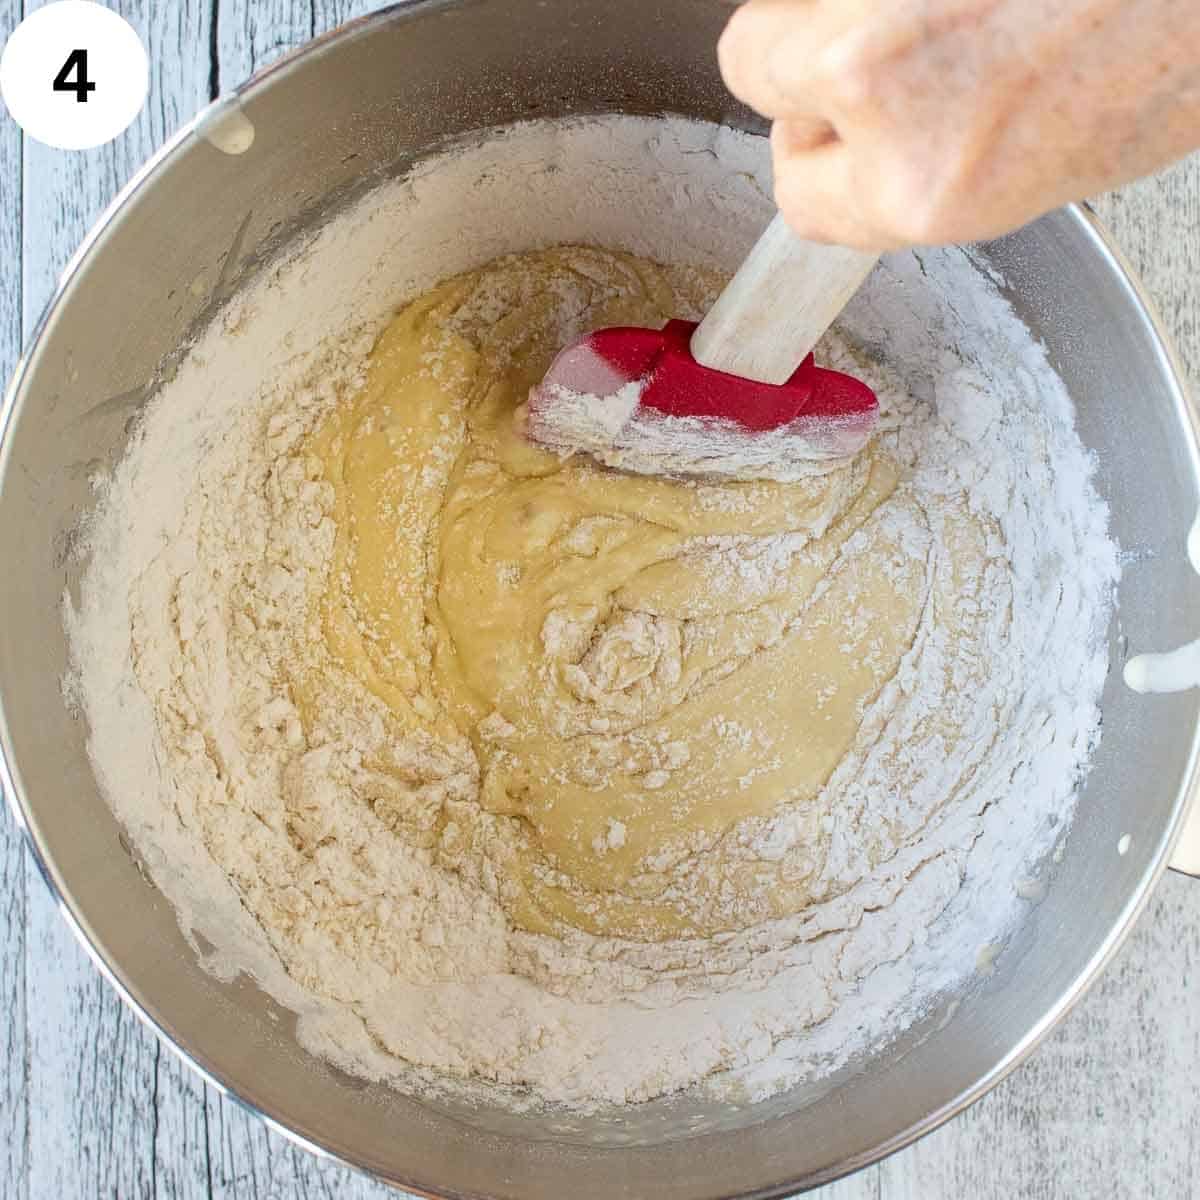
[776, 308]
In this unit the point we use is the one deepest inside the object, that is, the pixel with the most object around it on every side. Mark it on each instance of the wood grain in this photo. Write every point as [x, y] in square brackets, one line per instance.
[253, 33]
[91, 1105]
[13, 1093]
[1157, 225]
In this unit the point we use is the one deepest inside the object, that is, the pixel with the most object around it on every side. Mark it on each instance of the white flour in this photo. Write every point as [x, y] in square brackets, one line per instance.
[616, 431]
[209, 533]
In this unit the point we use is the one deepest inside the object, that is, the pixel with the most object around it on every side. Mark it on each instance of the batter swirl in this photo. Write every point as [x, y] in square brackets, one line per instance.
[635, 670]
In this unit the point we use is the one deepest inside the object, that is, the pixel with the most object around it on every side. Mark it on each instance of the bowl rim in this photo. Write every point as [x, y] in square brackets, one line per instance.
[1140, 306]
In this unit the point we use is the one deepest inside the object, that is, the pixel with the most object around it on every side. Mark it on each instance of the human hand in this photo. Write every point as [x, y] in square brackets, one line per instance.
[903, 122]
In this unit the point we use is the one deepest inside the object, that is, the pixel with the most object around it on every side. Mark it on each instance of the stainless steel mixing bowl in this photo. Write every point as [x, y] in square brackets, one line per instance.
[344, 114]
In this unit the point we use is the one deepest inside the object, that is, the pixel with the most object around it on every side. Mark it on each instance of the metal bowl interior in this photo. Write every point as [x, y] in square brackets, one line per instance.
[344, 114]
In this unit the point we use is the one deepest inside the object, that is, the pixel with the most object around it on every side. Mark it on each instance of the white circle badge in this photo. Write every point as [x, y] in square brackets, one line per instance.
[74, 74]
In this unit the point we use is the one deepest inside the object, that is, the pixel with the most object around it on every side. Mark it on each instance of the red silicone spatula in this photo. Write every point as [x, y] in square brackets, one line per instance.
[737, 396]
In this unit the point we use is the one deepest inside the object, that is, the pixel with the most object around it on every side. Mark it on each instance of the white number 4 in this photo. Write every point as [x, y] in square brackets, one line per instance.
[74, 74]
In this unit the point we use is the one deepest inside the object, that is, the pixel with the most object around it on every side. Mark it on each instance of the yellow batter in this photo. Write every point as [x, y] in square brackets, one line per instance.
[642, 667]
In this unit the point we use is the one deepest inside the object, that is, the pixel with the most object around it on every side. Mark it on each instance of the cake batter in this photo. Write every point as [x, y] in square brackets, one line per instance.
[595, 637]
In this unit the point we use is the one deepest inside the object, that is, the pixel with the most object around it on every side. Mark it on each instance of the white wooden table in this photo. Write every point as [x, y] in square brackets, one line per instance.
[92, 1106]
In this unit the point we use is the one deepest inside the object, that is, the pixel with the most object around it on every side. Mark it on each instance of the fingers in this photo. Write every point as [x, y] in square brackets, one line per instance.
[765, 50]
[815, 192]
[785, 58]
[808, 187]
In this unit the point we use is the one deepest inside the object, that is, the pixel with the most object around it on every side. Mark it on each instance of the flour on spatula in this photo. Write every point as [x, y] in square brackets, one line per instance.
[615, 431]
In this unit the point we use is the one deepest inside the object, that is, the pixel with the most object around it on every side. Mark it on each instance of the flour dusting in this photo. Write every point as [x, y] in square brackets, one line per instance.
[291, 855]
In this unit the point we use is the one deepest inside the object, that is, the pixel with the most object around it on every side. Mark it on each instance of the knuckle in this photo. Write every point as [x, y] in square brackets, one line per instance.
[854, 76]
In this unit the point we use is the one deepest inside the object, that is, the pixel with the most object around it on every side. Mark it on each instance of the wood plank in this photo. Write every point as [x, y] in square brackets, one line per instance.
[97, 1082]
[1157, 224]
[13, 1096]
[863, 1185]
[13, 1105]
[253, 33]
[252, 1162]
[181, 1166]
